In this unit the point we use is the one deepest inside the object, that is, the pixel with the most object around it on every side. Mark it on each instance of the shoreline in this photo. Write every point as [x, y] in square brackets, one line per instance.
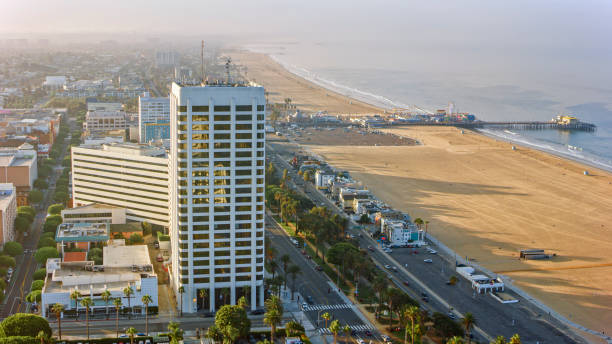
[433, 183]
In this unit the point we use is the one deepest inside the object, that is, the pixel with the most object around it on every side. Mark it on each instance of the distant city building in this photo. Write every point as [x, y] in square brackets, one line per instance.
[217, 194]
[166, 58]
[18, 166]
[96, 121]
[122, 267]
[98, 106]
[125, 175]
[153, 118]
[54, 82]
[8, 212]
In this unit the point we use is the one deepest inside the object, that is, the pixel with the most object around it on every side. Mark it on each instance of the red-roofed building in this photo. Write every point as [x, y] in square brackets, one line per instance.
[75, 256]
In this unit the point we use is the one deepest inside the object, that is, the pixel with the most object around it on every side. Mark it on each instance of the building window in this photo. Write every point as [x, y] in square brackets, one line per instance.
[244, 108]
[221, 108]
[199, 108]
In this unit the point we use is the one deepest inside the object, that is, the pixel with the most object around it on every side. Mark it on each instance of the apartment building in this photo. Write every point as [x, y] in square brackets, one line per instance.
[217, 159]
[97, 121]
[18, 166]
[153, 118]
[127, 175]
[8, 212]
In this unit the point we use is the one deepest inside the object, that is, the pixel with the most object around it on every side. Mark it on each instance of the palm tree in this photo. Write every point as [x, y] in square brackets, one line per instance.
[285, 259]
[334, 328]
[347, 331]
[131, 332]
[58, 308]
[176, 333]
[117, 303]
[411, 313]
[455, 340]
[106, 296]
[499, 340]
[272, 266]
[468, 323]
[242, 302]
[426, 223]
[379, 285]
[274, 313]
[76, 295]
[181, 290]
[146, 299]
[87, 302]
[293, 271]
[516, 339]
[128, 292]
[273, 318]
[419, 222]
[326, 316]
[203, 293]
[42, 336]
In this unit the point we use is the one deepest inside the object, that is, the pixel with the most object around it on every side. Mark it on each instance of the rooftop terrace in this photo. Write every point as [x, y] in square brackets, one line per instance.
[82, 232]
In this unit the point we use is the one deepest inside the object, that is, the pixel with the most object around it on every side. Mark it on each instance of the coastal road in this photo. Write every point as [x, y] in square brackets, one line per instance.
[493, 317]
[314, 284]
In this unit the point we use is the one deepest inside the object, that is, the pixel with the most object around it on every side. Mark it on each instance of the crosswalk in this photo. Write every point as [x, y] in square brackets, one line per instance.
[358, 328]
[327, 307]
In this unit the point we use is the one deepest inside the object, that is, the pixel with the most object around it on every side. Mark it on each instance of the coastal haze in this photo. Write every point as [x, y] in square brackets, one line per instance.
[487, 194]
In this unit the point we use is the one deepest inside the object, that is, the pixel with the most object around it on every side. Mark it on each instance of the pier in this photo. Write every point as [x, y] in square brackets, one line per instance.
[533, 125]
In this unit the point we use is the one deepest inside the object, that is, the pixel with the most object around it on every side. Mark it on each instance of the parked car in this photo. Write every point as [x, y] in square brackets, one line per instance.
[386, 338]
[387, 266]
[258, 311]
[406, 283]
[371, 248]
[156, 244]
[428, 261]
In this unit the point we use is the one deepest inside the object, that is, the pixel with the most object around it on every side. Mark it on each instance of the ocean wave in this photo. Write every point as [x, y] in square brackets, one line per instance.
[555, 149]
[365, 96]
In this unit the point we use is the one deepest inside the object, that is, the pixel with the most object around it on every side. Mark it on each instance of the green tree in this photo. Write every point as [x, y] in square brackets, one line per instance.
[117, 303]
[146, 300]
[40, 274]
[35, 196]
[214, 333]
[34, 296]
[95, 254]
[242, 302]
[26, 209]
[46, 242]
[412, 314]
[203, 294]
[37, 285]
[22, 224]
[419, 222]
[42, 337]
[136, 238]
[41, 184]
[60, 196]
[7, 261]
[106, 297]
[131, 332]
[58, 309]
[87, 303]
[468, 324]
[26, 215]
[516, 339]
[55, 209]
[334, 328]
[146, 228]
[455, 340]
[44, 253]
[285, 259]
[499, 340]
[233, 323]
[13, 248]
[23, 324]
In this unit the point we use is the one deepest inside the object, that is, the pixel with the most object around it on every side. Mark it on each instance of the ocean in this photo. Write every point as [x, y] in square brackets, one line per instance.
[493, 85]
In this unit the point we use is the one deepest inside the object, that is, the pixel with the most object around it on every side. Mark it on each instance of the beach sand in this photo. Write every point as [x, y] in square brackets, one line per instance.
[486, 201]
[281, 84]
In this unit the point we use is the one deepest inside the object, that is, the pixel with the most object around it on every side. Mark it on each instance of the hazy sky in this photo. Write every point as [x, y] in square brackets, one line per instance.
[538, 24]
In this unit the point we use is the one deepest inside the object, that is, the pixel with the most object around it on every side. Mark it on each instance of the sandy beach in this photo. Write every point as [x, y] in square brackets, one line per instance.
[483, 199]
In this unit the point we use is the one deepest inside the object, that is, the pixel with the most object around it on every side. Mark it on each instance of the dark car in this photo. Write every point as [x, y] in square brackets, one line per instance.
[259, 311]
[156, 244]
[309, 300]
[368, 333]
[406, 283]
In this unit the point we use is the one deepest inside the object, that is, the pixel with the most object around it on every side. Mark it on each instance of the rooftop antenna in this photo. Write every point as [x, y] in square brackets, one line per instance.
[228, 62]
[202, 66]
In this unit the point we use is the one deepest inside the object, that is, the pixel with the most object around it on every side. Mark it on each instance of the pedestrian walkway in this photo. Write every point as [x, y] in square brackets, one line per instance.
[358, 328]
[326, 307]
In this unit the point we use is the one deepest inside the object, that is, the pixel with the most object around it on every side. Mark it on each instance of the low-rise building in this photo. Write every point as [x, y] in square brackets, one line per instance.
[480, 282]
[94, 213]
[8, 212]
[81, 235]
[97, 121]
[18, 166]
[123, 267]
[324, 179]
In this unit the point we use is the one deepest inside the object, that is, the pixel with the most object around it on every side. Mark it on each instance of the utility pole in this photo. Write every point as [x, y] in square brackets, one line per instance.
[202, 66]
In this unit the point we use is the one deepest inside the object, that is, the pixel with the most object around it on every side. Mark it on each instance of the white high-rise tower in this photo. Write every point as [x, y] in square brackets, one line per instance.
[217, 164]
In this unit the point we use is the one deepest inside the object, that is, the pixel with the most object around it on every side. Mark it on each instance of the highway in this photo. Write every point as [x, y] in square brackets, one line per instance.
[493, 318]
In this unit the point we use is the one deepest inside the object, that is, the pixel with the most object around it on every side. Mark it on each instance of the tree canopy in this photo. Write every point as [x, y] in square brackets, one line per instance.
[233, 322]
[13, 248]
[44, 253]
[55, 209]
[22, 324]
[36, 196]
